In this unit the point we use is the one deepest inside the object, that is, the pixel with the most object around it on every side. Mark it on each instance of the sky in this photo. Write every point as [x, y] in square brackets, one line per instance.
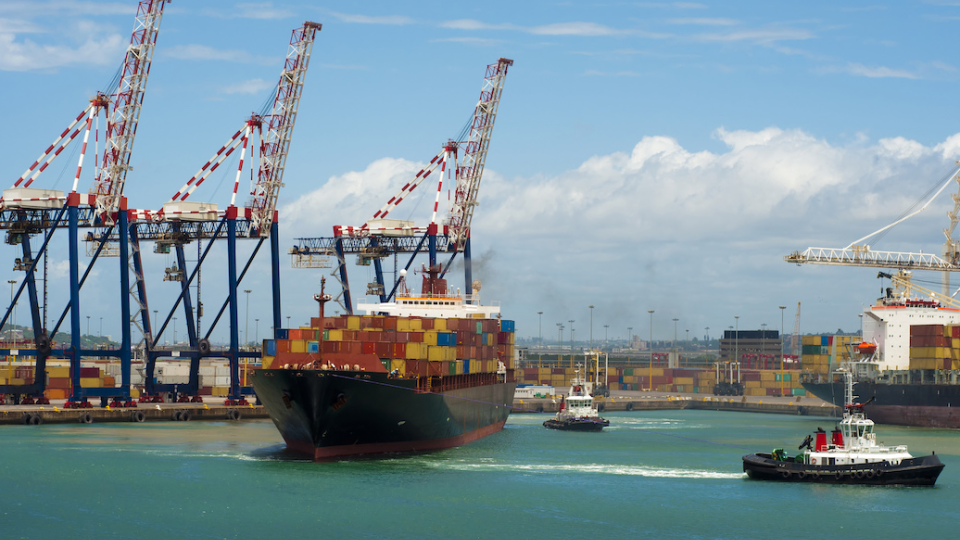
[657, 156]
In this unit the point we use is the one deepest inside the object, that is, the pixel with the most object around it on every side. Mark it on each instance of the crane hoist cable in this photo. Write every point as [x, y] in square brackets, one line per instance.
[919, 201]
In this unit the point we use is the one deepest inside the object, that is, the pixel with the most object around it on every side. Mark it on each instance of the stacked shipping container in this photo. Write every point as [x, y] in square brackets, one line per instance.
[411, 346]
[756, 382]
[935, 346]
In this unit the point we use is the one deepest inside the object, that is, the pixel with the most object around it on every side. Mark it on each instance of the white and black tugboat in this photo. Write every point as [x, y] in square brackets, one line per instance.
[851, 456]
[577, 410]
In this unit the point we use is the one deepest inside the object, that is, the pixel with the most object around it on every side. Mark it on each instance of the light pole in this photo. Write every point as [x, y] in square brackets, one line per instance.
[571, 343]
[781, 348]
[12, 282]
[246, 327]
[736, 346]
[591, 328]
[88, 325]
[707, 330]
[763, 340]
[256, 338]
[605, 327]
[101, 327]
[174, 331]
[650, 375]
[559, 343]
[540, 339]
[288, 321]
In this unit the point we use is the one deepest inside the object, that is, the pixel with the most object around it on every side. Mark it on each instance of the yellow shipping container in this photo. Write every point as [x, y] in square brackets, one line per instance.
[90, 382]
[335, 334]
[59, 372]
[268, 361]
[353, 322]
[416, 325]
[440, 325]
[683, 381]
[400, 365]
[220, 391]
[298, 346]
[767, 376]
[430, 337]
[751, 384]
[925, 363]
[434, 353]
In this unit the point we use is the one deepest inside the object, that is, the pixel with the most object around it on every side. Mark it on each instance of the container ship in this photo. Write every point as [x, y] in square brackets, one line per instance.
[425, 372]
[907, 365]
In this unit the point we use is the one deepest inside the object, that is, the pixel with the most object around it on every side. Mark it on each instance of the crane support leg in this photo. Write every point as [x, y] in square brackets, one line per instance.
[232, 281]
[378, 271]
[275, 276]
[347, 301]
[73, 201]
[468, 269]
[125, 340]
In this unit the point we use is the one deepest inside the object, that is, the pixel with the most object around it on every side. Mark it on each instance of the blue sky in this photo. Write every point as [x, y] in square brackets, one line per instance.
[647, 155]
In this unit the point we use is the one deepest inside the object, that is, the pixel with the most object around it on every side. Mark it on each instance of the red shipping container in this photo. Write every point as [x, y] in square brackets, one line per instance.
[330, 346]
[86, 372]
[416, 367]
[399, 350]
[390, 323]
[416, 337]
[436, 368]
[384, 349]
[427, 324]
[368, 347]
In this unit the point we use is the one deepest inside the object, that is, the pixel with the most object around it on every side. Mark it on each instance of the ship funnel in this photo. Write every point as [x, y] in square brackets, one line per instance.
[821, 444]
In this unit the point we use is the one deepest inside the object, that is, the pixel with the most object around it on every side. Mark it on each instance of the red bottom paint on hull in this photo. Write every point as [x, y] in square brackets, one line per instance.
[391, 448]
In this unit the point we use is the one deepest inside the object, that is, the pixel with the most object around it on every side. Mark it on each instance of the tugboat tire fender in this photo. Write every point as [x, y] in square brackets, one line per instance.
[879, 473]
[838, 475]
[784, 474]
[801, 475]
[815, 476]
[870, 474]
[858, 474]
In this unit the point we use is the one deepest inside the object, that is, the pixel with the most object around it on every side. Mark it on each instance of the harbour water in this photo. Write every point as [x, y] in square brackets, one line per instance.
[651, 474]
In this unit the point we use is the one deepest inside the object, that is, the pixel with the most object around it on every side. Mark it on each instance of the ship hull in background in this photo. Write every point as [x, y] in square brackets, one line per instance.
[331, 414]
[923, 405]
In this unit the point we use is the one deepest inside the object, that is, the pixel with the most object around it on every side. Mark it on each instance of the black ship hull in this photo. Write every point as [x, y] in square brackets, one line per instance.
[925, 405]
[331, 414]
[919, 471]
[577, 424]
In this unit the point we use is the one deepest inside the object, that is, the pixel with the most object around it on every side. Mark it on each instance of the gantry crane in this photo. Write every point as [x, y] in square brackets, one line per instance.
[28, 211]
[381, 237]
[859, 254]
[180, 222]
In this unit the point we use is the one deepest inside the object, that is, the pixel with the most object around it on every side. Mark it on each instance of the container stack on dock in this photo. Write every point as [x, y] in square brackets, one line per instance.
[411, 346]
[935, 346]
[824, 354]
[697, 381]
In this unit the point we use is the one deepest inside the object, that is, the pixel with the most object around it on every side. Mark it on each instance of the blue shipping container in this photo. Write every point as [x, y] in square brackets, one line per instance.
[466, 366]
[270, 347]
[507, 326]
[824, 341]
[283, 333]
[313, 347]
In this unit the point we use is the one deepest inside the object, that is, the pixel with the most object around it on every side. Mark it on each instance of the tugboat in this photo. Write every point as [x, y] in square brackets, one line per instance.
[852, 456]
[577, 411]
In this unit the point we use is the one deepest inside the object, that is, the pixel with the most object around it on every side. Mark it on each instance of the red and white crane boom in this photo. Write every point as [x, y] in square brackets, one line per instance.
[470, 171]
[278, 128]
[127, 102]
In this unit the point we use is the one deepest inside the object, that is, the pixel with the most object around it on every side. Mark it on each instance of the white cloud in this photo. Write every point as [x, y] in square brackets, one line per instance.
[760, 36]
[395, 20]
[263, 10]
[879, 72]
[664, 227]
[28, 55]
[705, 21]
[35, 8]
[252, 86]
